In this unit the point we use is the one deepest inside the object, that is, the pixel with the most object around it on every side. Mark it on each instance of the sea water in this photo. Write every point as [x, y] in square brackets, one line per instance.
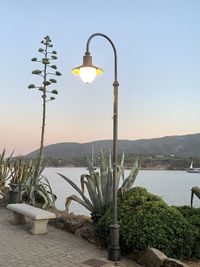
[173, 186]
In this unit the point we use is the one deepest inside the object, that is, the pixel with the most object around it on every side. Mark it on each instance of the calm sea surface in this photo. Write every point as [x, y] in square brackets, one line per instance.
[173, 186]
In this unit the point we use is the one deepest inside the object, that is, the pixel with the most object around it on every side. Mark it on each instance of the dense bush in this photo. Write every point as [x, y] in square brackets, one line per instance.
[146, 220]
[192, 215]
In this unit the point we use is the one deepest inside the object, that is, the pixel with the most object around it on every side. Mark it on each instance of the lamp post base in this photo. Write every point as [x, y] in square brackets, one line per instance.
[114, 251]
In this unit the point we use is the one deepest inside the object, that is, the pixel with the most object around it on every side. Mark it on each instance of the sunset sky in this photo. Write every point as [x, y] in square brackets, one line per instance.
[158, 47]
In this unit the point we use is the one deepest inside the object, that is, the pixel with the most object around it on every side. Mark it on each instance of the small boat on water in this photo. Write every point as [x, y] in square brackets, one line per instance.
[192, 169]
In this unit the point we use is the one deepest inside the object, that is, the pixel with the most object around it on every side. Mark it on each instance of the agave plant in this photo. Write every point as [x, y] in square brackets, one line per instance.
[5, 165]
[37, 189]
[100, 186]
[20, 171]
[194, 191]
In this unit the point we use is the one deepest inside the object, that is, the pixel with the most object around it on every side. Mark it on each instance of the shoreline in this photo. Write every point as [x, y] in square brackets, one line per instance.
[126, 168]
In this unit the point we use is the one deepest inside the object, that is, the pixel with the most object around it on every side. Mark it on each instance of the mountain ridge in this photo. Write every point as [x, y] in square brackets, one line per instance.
[180, 145]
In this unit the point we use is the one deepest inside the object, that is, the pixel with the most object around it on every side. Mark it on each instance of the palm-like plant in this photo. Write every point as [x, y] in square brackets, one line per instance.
[100, 186]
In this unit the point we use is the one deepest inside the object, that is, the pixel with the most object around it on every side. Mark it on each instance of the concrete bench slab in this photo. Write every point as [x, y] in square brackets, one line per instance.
[38, 216]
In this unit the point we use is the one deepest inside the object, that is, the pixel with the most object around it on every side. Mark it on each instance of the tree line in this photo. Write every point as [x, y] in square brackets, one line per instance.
[166, 162]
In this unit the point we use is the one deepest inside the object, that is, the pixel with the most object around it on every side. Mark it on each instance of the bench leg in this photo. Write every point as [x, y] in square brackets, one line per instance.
[18, 218]
[39, 227]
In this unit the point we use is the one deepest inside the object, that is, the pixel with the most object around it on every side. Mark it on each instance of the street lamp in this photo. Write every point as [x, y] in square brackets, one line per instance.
[88, 72]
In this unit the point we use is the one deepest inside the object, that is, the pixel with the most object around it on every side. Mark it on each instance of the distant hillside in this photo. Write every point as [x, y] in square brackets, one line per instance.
[185, 145]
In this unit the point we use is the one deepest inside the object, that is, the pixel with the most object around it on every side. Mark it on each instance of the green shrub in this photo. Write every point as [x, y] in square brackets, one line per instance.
[146, 220]
[192, 215]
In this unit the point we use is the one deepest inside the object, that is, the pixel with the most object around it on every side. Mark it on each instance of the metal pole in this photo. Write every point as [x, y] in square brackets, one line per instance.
[114, 252]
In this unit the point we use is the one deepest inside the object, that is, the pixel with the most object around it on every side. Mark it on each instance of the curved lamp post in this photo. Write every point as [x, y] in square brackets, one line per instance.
[88, 72]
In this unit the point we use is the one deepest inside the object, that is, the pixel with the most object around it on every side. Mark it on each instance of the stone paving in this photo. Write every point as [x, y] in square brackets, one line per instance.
[55, 249]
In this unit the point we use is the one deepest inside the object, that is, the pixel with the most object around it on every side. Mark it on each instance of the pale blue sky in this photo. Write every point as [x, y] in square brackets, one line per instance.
[158, 46]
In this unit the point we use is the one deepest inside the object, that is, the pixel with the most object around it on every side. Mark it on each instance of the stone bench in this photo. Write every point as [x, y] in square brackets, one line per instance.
[38, 216]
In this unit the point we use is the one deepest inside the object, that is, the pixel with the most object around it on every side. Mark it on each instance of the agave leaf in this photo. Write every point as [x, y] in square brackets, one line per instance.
[118, 176]
[71, 183]
[43, 195]
[82, 179]
[90, 167]
[32, 195]
[3, 155]
[48, 195]
[90, 180]
[76, 188]
[92, 189]
[127, 184]
[109, 184]
[194, 191]
[47, 183]
[68, 202]
[5, 166]
[103, 171]
[93, 195]
[47, 200]
[110, 163]
[122, 160]
[122, 166]
[101, 195]
[80, 201]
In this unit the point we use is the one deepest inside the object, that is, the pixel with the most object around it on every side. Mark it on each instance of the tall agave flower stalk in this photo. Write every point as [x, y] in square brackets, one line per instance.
[100, 186]
[49, 55]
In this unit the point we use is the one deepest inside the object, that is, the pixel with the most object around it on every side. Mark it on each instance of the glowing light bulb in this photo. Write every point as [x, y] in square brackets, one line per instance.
[88, 74]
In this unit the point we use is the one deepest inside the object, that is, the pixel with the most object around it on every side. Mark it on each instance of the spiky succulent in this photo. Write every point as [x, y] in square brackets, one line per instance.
[5, 166]
[36, 188]
[100, 186]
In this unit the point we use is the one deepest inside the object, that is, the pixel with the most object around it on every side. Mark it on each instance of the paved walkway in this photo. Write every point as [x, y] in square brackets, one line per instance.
[55, 249]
